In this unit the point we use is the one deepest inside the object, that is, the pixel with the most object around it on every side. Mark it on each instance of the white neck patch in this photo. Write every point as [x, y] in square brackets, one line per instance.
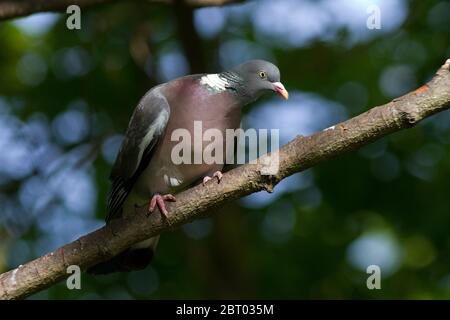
[213, 81]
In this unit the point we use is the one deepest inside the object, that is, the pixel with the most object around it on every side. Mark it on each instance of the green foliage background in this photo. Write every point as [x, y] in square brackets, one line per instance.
[390, 199]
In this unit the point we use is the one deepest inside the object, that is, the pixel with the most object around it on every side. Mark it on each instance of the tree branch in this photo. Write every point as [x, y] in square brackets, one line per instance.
[298, 155]
[19, 8]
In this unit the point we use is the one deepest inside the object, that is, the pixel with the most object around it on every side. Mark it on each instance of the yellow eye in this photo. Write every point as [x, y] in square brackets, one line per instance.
[262, 75]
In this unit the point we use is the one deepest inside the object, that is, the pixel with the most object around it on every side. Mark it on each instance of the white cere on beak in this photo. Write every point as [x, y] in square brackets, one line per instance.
[279, 85]
[281, 89]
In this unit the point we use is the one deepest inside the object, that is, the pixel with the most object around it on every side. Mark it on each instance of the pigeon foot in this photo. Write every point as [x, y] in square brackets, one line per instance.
[158, 201]
[216, 174]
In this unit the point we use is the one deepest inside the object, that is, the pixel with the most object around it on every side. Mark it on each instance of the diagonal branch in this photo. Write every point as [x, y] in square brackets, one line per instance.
[18, 8]
[298, 155]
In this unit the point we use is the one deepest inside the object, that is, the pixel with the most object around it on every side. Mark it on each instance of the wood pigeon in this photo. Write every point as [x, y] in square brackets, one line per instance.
[144, 170]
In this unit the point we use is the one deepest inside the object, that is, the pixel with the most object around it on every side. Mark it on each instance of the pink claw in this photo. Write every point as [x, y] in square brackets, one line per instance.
[206, 179]
[158, 201]
[216, 174]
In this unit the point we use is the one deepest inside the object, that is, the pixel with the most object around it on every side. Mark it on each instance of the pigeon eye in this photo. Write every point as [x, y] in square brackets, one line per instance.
[262, 75]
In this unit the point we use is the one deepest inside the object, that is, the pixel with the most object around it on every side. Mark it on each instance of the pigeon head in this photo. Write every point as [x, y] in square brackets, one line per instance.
[258, 77]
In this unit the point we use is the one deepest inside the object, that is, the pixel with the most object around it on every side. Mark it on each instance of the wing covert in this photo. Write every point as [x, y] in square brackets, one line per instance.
[146, 126]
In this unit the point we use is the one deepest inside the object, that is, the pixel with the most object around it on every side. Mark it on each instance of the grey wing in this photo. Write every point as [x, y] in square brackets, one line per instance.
[146, 126]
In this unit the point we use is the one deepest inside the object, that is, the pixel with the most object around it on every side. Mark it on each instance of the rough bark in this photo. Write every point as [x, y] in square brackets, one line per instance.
[19, 8]
[298, 155]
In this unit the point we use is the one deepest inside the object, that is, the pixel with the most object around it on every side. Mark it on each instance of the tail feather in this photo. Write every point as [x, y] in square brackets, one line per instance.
[135, 258]
[129, 260]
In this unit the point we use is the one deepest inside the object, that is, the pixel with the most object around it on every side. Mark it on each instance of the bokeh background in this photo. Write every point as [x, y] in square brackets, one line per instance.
[66, 97]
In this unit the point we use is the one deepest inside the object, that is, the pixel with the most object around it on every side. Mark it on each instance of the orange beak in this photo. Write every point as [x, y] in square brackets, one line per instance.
[281, 90]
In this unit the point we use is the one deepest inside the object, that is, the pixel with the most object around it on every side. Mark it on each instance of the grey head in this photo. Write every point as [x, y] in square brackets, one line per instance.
[253, 78]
